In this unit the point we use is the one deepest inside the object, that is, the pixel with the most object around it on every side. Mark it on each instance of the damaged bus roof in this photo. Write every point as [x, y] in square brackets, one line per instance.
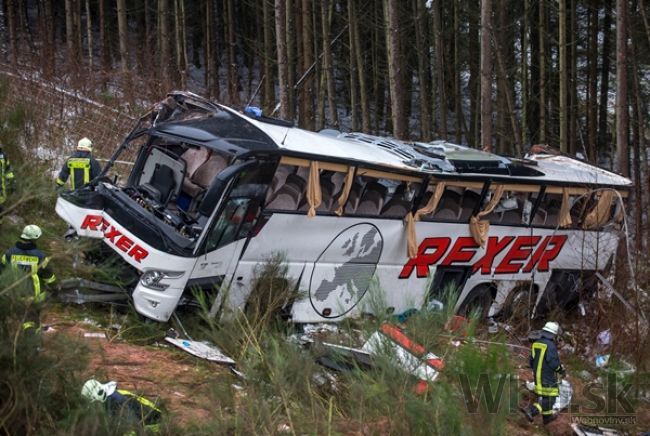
[196, 120]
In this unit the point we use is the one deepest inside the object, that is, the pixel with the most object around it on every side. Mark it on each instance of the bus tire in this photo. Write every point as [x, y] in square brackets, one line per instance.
[519, 305]
[478, 300]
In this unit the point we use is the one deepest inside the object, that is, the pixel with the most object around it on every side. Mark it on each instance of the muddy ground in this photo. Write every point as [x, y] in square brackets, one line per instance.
[181, 382]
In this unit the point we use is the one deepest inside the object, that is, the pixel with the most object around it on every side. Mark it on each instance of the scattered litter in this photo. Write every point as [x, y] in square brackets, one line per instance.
[200, 349]
[458, 324]
[568, 349]
[237, 387]
[588, 430]
[407, 354]
[99, 335]
[237, 373]
[178, 394]
[434, 304]
[602, 360]
[90, 322]
[585, 375]
[493, 327]
[402, 317]
[604, 338]
[284, 428]
[566, 393]
[563, 400]
[310, 333]
[342, 358]
[581, 308]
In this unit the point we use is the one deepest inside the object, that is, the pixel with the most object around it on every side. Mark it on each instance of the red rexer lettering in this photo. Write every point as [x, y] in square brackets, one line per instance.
[524, 254]
[122, 242]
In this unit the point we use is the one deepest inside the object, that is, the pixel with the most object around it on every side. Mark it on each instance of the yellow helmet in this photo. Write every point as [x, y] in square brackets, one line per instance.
[85, 144]
[31, 232]
[96, 391]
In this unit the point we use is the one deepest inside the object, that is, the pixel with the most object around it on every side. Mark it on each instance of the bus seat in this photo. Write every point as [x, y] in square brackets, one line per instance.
[204, 175]
[511, 217]
[162, 184]
[296, 181]
[303, 172]
[280, 177]
[377, 187]
[540, 217]
[353, 198]
[445, 214]
[396, 208]
[451, 201]
[370, 203]
[194, 158]
[469, 201]
[337, 179]
[287, 198]
[552, 217]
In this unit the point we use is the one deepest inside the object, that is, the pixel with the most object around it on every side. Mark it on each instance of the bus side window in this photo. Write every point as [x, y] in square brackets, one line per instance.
[242, 208]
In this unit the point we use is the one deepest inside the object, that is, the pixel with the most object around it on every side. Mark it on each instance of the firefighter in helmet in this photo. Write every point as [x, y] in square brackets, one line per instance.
[6, 177]
[545, 363]
[26, 258]
[123, 405]
[81, 167]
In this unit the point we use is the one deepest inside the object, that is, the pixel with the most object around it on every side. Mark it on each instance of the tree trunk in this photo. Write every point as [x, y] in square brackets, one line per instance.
[89, 33]
[564, 78]
[486, 75]
[293, 49]
[353, 77]
[13, 39]
[573, 83]
[395, 69]
[123, 35]
[326, 20]
[360, 68]
[233, 74]
[306, 90]
[423, 71]
[604, 78]
[281, 44]
[473, 51]
[268, 96]
[592, 85]
[621, 161]
[542, 73]
[440, 68]
[525, 28]
[164, 44]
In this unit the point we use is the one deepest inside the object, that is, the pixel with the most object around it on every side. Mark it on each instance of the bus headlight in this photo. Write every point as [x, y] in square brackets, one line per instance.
[151, 279]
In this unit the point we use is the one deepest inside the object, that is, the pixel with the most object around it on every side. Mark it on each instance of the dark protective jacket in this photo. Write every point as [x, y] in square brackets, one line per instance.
[25, 257]
[134, 409]
[6, 176]
[545, 363]
[81, 167]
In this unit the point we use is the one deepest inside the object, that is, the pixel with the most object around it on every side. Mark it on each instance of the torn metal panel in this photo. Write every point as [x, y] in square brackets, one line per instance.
[82, 291]
[202, 350]
[407, 354]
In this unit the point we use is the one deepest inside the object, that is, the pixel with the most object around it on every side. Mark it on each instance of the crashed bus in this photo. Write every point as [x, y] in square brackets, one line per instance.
[214, 192]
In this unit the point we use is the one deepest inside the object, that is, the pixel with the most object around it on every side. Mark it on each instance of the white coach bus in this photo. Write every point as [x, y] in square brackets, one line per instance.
[214, 192]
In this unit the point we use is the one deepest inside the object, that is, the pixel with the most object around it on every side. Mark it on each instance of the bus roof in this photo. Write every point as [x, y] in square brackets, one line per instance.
[221, 128]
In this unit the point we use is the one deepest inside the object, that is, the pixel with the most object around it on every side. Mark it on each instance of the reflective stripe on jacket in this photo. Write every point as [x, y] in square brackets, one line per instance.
[6, 175]
[545, 363]
[25, 257]
[81, 168]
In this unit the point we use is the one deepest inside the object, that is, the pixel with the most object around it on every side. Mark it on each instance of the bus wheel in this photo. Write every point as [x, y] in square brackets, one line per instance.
[478, 301]
[519, 305]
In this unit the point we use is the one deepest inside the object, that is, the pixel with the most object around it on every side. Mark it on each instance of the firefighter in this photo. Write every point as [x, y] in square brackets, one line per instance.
[545, 363]
[81, 166]
[123, 404]
[25, 257]
[6, 177]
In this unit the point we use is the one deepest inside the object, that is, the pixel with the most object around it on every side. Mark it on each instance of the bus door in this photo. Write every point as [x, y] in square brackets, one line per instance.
[229, 229]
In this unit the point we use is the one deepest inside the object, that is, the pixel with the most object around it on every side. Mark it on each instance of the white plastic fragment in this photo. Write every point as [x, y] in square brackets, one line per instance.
[200, 349]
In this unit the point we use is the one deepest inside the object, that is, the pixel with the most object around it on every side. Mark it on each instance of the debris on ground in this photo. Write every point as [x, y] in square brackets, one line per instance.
[563, 400]
[407, 354]
[81, 291]
[602, 360]
[201, 349]
[588, 430]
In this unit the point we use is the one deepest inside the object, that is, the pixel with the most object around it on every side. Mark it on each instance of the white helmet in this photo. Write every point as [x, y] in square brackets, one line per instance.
[96, 391]
[552, 327]
[85, 144]
[31, 232]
